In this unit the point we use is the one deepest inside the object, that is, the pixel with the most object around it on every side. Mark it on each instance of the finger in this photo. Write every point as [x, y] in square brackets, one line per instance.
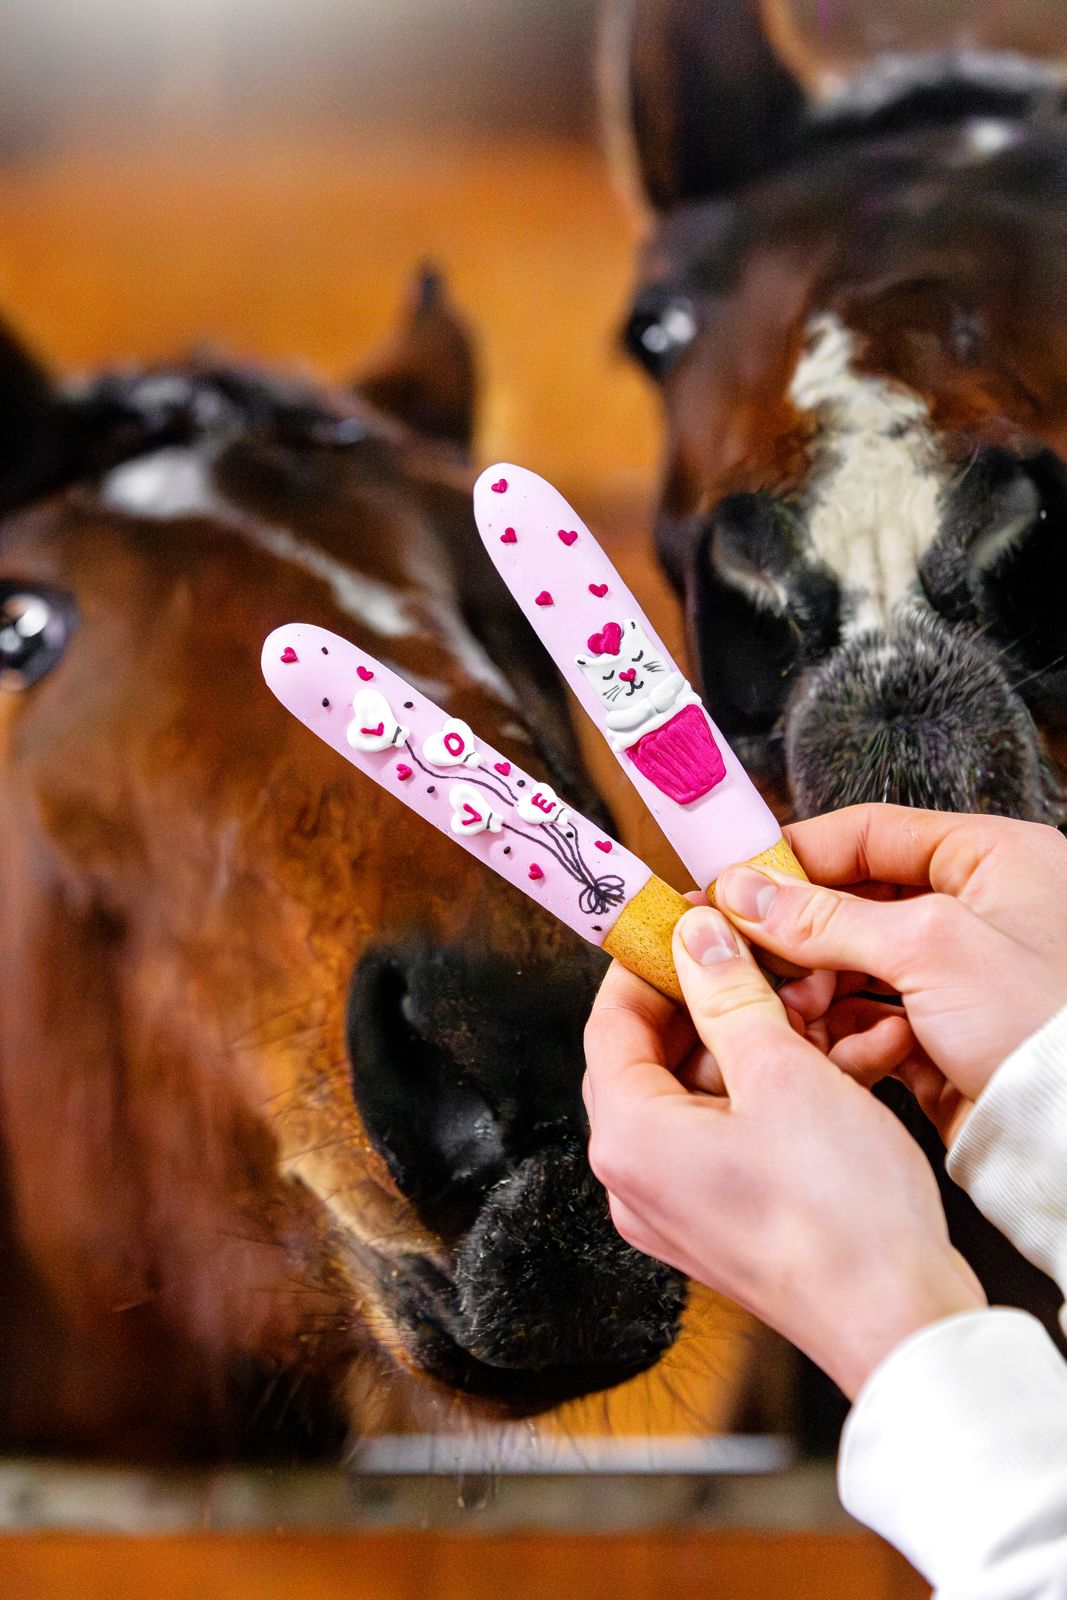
[625, 1045]
[700, 1073]
[891, 844]
[857, 1013]
[876, 1052]
[939, 1100]
[823, 927]
[735, 1012]
[814, 996]
[809, 997]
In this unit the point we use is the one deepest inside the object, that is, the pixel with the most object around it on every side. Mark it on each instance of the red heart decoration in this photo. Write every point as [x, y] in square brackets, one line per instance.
[607, 641]
[545, 599]
[568, 538]
[469, 813]
[500, 485]
[535, 871]
[289, 654]
[403, 771]
[603, 844]
[374, 733]
[509, 536]
[365, 673]
[629, 675]
[503, 767]
[599, 589]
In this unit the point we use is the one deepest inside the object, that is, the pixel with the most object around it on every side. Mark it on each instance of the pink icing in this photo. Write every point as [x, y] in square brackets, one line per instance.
[317, 683]
[607, 641]
[681, 758]
[727, 820]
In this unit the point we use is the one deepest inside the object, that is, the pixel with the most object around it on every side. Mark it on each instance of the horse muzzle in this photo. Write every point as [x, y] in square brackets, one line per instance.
[467, 1076]
[918, 713]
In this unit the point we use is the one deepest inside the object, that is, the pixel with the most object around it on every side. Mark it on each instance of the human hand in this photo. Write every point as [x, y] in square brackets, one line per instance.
[965, 918]
[794, 1193]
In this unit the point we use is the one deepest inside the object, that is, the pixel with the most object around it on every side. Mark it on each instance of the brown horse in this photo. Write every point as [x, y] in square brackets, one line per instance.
[855, 308]
[289, 1087]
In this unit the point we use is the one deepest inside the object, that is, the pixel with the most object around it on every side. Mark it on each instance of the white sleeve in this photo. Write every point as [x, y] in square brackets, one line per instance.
[1011, 1156]
[956, 1452]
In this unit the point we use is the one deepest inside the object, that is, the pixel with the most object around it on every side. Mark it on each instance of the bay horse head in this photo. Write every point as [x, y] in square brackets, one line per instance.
[290, 1086]
[854, 308]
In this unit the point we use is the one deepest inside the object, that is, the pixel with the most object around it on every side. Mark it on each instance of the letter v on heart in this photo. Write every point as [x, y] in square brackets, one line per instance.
[471, 811]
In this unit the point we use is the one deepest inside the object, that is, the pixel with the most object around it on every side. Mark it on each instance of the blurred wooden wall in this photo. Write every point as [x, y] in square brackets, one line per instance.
[427, 1566]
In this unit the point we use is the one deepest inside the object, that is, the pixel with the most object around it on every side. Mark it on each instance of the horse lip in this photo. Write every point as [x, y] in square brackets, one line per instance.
[422, 1300]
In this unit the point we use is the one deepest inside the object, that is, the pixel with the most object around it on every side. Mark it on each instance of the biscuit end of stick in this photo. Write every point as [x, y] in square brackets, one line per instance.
[641, 937]
[779, 857]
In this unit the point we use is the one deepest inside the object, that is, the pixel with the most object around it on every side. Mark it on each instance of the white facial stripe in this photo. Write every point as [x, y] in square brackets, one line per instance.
[177, 481]
[875, 506]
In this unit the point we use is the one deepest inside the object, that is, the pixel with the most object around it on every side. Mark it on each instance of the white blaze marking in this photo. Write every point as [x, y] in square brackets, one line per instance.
[877, 482]
[178, 481]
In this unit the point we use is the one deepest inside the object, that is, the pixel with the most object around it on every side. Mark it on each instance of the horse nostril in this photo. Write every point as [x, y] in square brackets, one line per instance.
[460, 1067]
[433, 1124]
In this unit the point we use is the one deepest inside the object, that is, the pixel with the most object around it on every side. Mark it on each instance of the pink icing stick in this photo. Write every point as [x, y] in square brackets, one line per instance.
[617, 665]
[440, 768]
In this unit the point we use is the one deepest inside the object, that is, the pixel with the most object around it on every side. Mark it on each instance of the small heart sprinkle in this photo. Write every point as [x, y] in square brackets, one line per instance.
[566, 537]
[365, 673]
[535, 871]
[509, 536]
[503, 767]
[599, 589]
[500, 485]
[403, 771]
[544, 599]
[289, 655]
[604, 844]
[629, 675]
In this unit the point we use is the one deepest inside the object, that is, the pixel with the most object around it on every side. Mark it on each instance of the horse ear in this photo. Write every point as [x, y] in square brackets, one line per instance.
[426, 375]
[699, 96]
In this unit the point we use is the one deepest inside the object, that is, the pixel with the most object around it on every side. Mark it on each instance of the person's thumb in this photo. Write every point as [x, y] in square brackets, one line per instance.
[735, 1011]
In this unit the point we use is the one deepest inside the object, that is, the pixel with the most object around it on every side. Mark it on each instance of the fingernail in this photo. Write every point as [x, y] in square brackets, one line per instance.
[746, 892]
[707, 937]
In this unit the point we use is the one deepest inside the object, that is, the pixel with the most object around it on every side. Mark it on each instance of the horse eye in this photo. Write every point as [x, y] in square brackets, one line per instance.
[661, 327]
[35, 627]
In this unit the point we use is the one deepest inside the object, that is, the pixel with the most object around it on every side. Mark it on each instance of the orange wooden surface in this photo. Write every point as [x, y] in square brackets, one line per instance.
[423, 1566]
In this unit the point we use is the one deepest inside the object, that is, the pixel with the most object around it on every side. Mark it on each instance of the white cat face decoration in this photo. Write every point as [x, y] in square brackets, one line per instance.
[622, 663]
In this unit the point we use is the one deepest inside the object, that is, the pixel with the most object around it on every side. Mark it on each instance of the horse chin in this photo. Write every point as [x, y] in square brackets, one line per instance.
[541, 1301]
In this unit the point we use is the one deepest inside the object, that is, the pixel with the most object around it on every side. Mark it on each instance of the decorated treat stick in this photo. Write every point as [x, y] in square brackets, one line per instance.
[615, 662]
[513, 822]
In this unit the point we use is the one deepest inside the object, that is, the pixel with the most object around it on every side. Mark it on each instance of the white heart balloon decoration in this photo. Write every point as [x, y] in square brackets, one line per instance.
[452, 745]
[471, 811]
[542, 805]
[374, 727]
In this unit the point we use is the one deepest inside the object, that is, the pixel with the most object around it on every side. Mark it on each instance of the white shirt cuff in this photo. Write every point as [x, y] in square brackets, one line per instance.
[956, 1452]
[1011, 1156]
